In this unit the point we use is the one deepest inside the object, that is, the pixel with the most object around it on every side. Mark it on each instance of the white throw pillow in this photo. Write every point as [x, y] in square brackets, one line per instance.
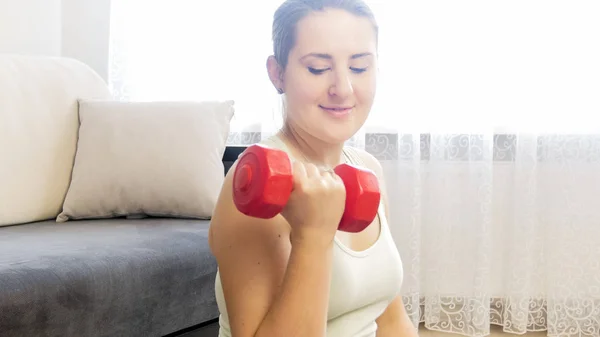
[139, 159]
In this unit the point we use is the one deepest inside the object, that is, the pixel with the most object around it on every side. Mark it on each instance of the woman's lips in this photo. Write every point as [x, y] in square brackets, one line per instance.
[341, 111]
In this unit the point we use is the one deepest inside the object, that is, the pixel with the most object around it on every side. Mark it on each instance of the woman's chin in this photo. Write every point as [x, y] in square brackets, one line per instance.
[332, 132]
[337, 135]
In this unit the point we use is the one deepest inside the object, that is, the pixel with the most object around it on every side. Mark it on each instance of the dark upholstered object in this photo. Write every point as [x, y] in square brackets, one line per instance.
[118, 277]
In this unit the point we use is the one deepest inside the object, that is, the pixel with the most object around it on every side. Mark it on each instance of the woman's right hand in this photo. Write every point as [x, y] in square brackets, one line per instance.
[315, 206]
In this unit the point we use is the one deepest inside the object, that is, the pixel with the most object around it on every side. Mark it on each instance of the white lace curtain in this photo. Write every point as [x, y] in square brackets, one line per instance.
[485, 123]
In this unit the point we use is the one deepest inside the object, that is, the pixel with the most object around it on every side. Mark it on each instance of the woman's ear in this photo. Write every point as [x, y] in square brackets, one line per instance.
[275, 73]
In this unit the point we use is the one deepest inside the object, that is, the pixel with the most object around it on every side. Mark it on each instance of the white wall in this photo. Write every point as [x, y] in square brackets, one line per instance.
[71, 28]
[30, 27]
[85, 32]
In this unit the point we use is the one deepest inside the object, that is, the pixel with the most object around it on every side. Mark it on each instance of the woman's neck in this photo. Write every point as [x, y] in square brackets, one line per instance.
[312, 149]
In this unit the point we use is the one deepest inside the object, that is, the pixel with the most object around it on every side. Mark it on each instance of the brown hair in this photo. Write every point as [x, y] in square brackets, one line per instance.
[291, 11]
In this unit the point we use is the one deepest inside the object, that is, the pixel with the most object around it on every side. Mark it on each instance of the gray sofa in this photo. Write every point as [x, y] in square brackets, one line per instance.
[151, 276]
[115, 277]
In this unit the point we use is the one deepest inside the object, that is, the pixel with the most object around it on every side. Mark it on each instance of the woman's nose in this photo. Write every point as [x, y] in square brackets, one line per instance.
[342, 85]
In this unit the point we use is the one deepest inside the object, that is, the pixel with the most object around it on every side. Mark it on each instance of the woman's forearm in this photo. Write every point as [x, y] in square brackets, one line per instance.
[397, 330]
[395, 321]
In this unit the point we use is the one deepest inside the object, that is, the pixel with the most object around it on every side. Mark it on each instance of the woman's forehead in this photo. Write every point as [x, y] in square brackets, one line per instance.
[335, 32]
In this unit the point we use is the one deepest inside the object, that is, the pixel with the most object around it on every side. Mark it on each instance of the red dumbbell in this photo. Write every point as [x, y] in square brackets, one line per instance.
[263, 183]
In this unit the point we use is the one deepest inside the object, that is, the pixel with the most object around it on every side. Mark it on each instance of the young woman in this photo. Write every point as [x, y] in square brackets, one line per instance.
[296, 275]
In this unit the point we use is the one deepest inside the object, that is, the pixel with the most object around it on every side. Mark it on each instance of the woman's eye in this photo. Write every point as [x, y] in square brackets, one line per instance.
[317, 71]
[358, 70]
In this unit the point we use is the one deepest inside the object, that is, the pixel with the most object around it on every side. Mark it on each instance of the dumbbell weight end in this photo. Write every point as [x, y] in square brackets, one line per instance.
[362, 197]
[262, 181]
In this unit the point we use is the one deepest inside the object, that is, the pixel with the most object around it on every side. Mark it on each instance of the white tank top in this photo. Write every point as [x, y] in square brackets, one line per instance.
[363, 283]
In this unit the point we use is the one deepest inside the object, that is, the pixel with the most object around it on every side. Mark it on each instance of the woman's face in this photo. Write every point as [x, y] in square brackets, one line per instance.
[330, 79]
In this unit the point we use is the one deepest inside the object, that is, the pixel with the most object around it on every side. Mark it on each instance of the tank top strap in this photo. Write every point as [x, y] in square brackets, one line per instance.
[352, 156]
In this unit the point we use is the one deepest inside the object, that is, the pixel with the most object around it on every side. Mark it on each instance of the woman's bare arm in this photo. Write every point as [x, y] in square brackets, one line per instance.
[271, 287]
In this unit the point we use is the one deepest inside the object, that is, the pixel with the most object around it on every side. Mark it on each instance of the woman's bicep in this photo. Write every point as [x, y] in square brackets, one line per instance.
[252, 257]
[250, 276]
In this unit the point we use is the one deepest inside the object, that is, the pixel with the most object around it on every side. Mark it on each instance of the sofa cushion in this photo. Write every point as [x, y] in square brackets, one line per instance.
[144, 277]
[38, 132]
[140, 159]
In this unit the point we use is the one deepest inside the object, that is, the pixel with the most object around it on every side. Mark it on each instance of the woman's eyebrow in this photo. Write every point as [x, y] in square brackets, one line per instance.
[355, 56]
[329, 57]
[317, 55]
